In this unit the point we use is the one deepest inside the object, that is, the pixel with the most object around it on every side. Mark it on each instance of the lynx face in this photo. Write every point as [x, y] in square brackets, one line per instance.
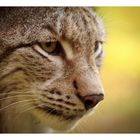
[49, 63]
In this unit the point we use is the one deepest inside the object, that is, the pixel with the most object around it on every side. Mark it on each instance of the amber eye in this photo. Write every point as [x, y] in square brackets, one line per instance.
[53, 48]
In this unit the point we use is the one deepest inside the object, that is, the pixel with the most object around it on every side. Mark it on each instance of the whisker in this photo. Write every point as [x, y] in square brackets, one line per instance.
[16, 103]
[16, 96]
[31, 108]
[28, 109]
[3, 93]
[51, 111]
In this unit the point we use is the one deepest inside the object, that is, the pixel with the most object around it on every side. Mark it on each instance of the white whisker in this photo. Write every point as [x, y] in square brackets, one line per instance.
[28, 109]
[16, 96]
[13, 92]
[16, 103]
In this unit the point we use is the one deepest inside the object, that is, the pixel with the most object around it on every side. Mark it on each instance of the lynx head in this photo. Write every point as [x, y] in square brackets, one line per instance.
[50, 60]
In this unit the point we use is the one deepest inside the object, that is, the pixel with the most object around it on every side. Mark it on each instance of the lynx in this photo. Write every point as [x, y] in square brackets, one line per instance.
[50, 58]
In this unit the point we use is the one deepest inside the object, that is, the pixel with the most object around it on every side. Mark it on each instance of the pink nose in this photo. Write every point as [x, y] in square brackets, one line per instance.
[92, 100]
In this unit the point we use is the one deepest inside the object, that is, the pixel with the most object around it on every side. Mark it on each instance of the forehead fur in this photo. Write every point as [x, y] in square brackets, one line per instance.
[26, 25]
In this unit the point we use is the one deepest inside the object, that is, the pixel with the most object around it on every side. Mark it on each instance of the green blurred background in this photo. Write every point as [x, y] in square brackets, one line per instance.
[120, 110]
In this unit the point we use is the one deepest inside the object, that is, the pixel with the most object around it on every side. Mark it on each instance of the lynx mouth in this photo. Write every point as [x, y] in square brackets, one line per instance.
[59, 113]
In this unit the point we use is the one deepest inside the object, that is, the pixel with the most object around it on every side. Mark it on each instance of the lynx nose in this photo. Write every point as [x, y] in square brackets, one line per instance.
[91, 101]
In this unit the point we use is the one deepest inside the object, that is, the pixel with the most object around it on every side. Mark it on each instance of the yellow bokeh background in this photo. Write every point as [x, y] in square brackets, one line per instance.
[120, 74]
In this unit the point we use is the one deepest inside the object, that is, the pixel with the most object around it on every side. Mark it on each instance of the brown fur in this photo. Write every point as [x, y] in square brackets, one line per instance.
[46, 82]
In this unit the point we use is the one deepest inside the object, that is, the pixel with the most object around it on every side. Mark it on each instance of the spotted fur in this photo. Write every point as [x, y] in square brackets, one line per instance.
[38, 91]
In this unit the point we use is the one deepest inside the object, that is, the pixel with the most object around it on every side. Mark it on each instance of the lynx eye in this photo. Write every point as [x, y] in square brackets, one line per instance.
[98, 49]
[49, 48]
[53, 48]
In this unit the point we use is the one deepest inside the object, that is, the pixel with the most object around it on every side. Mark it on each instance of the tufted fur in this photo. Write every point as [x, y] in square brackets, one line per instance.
[33, 87]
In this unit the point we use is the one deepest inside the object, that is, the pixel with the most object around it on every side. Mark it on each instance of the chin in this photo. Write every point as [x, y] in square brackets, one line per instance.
[57, 123]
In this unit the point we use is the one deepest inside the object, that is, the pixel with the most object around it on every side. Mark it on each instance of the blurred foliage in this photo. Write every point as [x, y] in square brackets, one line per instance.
[120, 110]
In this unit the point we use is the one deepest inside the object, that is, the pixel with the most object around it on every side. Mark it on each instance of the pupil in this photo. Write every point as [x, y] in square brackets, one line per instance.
[48, 44]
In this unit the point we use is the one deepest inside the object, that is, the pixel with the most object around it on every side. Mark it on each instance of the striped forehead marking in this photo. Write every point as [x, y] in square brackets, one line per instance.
[67, 48]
